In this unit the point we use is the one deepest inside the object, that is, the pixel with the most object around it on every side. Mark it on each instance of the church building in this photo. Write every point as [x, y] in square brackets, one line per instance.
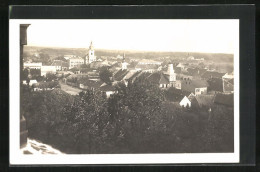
[91, 55]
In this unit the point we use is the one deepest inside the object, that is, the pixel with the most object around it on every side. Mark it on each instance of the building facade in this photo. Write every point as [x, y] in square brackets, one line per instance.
[91, 54]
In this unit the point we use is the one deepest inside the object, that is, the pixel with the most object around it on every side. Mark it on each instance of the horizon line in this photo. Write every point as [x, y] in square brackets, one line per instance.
[159, 51]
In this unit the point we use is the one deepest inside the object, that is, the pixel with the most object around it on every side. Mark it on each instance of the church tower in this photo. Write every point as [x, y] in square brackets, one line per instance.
[124, 63]
[171, 73]
[91, 54]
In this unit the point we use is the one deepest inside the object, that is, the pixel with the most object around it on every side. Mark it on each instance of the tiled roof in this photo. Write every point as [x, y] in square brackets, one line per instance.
[229, 85]
[107, 87]
[146, 66]
[177, 69]
[119, 75]
[196, 71]
[204, 100]
[130, 74]
[60, 63]
[163, 80]
[224, 99]
[212, 74]
[173, 94]
[215, 84]
[190, 85]
[154, 78]
[83, 80]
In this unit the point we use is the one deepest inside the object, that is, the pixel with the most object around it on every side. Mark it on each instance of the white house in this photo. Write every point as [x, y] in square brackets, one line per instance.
[185, 102]
[47, 69]
[75, 62]
[32, 65]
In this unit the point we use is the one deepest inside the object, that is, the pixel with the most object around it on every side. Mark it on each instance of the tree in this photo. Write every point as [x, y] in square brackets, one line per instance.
[105, 75]
[45, 58]
[74, 69]
[50, 77]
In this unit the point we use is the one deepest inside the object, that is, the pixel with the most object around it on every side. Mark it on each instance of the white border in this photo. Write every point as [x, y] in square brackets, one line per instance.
[17, 158]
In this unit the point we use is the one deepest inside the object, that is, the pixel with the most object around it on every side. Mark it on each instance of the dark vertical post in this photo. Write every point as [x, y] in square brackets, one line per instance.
[23, 41]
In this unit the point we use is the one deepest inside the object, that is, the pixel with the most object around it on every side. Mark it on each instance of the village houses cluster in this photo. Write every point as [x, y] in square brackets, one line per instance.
[189, 85]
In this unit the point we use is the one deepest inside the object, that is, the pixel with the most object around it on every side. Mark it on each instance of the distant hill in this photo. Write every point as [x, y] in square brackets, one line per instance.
[55, 52]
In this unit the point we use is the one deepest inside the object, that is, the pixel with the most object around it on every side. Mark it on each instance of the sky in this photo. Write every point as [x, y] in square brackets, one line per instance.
[214, 36]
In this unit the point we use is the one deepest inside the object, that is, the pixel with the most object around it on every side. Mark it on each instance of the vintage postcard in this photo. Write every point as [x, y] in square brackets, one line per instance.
[124, 91]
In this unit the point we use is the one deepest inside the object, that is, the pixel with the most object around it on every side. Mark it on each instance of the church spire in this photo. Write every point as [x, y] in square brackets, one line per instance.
[91, 46]
[124, 57]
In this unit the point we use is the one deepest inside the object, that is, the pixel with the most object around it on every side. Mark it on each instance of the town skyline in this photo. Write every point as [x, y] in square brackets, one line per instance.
[209, 36]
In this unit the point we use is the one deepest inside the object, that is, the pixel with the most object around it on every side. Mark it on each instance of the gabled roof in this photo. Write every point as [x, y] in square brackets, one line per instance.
[107, 87]
[190, 85]
[228, 85]
[130, 74]
[215, 84]
[196, 71]
[204, 100]
[163, 80]
[177, 69]
[174, 94]
[154, 78]
[120, 74]
[224, 99]
[94, 84]
[83, 80]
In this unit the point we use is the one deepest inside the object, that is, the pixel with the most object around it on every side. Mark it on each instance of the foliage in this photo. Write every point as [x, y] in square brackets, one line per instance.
[105, 75]
[50, 77]
[45, 59]
[135, 119]
[35, 73]
[74, 69]
[72, 79]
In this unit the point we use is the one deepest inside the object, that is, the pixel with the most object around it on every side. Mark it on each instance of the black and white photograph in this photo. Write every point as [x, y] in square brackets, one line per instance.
[109, 91]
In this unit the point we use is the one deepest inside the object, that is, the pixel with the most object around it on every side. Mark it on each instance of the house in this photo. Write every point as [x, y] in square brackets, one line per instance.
[184, 76]
[130, 76]
[224, 99]
[99, 64]
[211, 74]
[149, 62]
[109, 89]
[120, 74]
[32, 65]
[203, 100]
[86, 83]
[196, 72]
[176, 95]
[180, 65]
[60, 65]
[195, 86]
[75, 62]
[67, 57]
[185, 102]
[163, 82]
[47, 69]
[228, 83]
[147, 67]
[215, 85]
